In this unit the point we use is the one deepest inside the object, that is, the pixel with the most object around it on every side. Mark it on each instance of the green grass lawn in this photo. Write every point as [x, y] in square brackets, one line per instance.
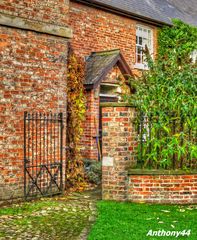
[130, 221]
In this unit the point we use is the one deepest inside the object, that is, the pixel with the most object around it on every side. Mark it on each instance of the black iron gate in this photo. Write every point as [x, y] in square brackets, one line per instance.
[43, 154]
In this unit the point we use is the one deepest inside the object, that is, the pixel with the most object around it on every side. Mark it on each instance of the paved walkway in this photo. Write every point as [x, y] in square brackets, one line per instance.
[59, 218]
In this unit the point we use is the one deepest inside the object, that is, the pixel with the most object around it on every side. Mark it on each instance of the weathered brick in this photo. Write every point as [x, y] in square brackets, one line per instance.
[103, 31]
[33, 78]
[118, 174]
[162, 192]
[98, 30]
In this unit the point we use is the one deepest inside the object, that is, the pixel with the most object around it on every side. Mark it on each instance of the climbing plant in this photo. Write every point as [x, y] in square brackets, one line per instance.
[75, 116]
[166, 101]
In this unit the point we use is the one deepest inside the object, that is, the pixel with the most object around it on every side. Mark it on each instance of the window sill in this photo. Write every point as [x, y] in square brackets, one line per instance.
[141, 66]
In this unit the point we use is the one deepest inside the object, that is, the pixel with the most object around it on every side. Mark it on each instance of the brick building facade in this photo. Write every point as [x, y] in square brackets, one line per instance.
[34, 39]
[33, 50]
[100, 27]
[99, 30]
[103, 30]
[126, 25]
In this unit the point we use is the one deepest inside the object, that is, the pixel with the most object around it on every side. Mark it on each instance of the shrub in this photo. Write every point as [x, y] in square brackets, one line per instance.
[93, 171]
[166, 95]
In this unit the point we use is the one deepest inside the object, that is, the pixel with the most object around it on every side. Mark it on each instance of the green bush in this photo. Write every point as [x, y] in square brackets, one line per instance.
[93, 171]
[167, 94]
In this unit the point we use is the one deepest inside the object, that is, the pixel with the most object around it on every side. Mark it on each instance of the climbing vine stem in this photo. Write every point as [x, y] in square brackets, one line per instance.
[76, 108]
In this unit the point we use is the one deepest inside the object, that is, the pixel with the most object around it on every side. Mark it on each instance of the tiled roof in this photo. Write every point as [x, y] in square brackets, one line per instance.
[161, 11]
[98, 65]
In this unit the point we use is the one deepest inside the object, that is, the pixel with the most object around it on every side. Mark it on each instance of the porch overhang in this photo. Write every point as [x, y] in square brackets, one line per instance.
[99, 64]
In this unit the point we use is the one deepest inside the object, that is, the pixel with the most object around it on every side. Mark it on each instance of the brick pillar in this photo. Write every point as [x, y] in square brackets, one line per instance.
[118, 149]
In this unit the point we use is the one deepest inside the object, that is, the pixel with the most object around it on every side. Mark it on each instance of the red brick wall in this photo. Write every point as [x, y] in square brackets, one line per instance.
[89, 148]
[98, 30]
[163, 189]
[48, 11]
[118, 143]
[33, 78]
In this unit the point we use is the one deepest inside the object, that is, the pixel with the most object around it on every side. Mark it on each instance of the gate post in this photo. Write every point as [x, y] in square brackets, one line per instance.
[119, 143]
[25, 117]
[61, 150]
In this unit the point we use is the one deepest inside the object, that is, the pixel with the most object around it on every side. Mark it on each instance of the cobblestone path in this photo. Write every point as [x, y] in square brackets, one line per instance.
[59, 218]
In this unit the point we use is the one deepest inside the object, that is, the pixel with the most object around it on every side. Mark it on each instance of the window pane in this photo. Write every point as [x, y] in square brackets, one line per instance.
[145, 42]
[139, 50]
[140, 40]
[149, 44]
[143, 37]
[144, 59]
[139, 59]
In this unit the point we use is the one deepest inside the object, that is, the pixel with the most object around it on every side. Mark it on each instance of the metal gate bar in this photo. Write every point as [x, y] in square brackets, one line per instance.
[43, 154]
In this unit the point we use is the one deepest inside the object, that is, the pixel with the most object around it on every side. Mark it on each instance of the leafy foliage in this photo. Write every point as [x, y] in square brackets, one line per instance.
[93, 171]
[166, 95]
[75, 117]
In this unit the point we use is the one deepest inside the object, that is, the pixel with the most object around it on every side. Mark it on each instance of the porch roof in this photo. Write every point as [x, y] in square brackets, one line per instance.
[99, 64]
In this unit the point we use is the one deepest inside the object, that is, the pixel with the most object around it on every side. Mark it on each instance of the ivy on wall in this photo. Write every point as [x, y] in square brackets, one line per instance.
[76, 109]
[166, 95]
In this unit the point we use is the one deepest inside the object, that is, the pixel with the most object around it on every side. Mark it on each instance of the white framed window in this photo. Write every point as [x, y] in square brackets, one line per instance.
[144, 36]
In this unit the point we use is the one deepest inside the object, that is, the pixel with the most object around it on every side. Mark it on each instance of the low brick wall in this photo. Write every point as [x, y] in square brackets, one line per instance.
[162, 187]
[121, 182]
